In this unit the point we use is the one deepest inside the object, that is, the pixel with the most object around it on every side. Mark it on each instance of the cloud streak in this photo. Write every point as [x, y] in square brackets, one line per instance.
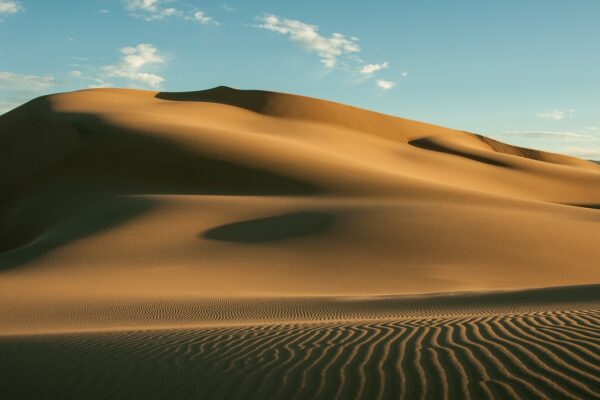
[150, 10]
[370, 69]
[16, 89]
[590, 153]
[156, 10]
[556, 115]
[329, 49]
[30, 83]
[546, 134]
[334, 51]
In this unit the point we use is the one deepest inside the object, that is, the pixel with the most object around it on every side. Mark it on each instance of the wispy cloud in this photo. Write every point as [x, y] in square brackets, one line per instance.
[385, 85]
[556, 115]
[34, 83]
[103, 11]
[7, 105]
[203, 19]
[150, 10]
[329, 49]
[155, 10]
[136, 66]
[568, 135]
[370, 69]
[583, 143]
[336, 51]
[590, 153]
[18, 88]
[8, 7]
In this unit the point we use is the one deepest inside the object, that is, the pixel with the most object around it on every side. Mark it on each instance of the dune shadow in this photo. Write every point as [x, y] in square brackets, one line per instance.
[252, 100]
[583, 205]
[128, 162]
[118, 160]
[495, 299]
[270, 229]
[106, 164]
[93, 215]
[428, 144]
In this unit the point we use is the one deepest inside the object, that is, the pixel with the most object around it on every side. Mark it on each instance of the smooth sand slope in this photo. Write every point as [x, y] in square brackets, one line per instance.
[275, 245]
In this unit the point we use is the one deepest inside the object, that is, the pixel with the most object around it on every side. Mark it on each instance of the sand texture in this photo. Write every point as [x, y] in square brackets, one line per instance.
[228, 244]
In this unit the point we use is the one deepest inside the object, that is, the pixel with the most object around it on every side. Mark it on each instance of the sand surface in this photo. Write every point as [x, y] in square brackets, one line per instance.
[249, 244]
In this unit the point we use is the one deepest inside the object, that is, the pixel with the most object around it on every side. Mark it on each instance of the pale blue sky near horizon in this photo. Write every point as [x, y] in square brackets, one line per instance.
[525, 72]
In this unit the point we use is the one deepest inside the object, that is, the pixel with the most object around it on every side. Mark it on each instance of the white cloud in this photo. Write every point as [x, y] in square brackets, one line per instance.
[16, 89]
[75, 74]
[30, 83]
[154, 10]
[386, 85]
[99, 83]
[334, 50]
[370, 69]
[10, 7]
[556, 115]
[203, 19]
[7, 105]
[134, 65]
[150, 6]
[307, 36]
[404, 74]
[590, 153]
[103, 11]
[227, 8]
[151, 10]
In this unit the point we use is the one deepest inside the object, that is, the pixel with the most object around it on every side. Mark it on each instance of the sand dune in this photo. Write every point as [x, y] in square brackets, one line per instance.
[181, 230]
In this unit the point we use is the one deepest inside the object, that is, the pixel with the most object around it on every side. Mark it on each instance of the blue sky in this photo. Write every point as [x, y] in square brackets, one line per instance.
[523, 71]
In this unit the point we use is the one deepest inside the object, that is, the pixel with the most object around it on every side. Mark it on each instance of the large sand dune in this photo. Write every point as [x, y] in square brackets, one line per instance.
[220, 222]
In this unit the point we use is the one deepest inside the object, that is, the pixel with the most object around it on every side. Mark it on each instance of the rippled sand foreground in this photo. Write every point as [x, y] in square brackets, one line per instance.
[528, 355]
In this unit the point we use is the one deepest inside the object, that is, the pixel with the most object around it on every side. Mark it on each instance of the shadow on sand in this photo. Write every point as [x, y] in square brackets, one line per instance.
[272, 229]
[94, 186]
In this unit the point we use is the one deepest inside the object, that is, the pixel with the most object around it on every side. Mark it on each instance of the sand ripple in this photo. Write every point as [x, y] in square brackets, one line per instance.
[536, 354]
